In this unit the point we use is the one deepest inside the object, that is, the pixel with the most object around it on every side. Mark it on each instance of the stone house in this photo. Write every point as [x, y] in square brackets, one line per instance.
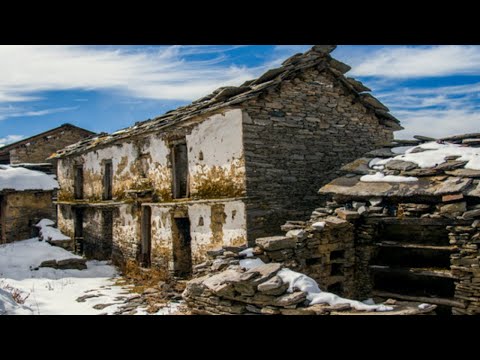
[402, 226]
[36, 149]
[224, 170]
[25, 199]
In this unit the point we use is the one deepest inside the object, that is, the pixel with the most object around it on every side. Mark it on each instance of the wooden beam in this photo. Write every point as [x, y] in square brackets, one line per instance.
[416, 246]
[422, 299]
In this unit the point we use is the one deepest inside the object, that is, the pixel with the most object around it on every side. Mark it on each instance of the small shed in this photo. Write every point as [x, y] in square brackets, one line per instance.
[25, 199]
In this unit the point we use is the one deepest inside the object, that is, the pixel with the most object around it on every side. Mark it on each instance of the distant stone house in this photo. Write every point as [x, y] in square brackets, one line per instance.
[25, 199]
[224, 170]
[36, 149]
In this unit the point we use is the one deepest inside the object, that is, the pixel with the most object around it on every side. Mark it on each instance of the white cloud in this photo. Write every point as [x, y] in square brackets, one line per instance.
[413, 62]
[149, 73]
[437, 123]
[12, 111]
[10, 139]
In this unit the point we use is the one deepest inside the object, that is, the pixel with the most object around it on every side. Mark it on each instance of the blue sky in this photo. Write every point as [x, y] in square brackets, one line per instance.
[433, 90]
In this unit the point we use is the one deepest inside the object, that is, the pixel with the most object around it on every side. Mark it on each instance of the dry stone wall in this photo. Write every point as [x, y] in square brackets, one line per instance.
[296, 138]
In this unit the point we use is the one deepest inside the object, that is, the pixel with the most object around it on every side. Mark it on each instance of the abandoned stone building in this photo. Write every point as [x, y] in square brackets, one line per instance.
[229, 168]
[25, 198]
[34, 151]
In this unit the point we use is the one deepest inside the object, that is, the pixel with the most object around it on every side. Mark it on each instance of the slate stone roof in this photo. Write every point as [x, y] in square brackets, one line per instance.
[318, 57]
[453, 175]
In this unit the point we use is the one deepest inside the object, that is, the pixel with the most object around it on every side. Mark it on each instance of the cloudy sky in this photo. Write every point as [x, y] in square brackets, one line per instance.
[433, 90]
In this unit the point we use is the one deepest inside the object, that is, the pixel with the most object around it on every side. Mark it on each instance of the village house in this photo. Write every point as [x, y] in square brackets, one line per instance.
[26, 197]
[228, 168]
[34, 151]
[26, 191]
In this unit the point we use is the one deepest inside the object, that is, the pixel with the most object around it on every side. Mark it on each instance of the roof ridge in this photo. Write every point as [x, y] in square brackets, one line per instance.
[318, 55]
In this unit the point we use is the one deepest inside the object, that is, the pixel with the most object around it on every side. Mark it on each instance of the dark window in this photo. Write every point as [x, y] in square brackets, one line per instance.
[180, 171]
[78, 182]
[108, 181]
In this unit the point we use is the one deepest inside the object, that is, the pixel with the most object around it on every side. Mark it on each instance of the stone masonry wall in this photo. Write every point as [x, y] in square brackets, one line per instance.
[21, 211]
[40, 149]
[296, 138]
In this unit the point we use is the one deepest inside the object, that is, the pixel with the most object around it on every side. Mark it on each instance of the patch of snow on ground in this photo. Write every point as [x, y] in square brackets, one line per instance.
[400, 149]
[424, 306]
[9, 306]
[250, 263]
[319, 225]
[247, 252]
[54, 292]
[369, 302]
[170, 309]
[20, 179]
[301, 282]
[298, 281]
[47, 232]
[380, 177]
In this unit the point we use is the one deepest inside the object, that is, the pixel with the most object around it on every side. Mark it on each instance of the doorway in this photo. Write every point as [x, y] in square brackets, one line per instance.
[78, 230]
[146, 257]
[182, 248]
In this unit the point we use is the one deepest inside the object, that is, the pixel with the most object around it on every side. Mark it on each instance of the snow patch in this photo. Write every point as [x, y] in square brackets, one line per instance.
[8, 306]
[380, 177]
[435, 154]
[250, 263]
[49, 233]
[20, 179]
[298, 281]
[424, 306]
[301, 282]
[247, 253]
[319, 225]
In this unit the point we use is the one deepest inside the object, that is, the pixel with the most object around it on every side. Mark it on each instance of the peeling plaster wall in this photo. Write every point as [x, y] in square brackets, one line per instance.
[212, 225]
[126, 233]
[162, 236]
[215, 156]
[139, 164]
[65, 221]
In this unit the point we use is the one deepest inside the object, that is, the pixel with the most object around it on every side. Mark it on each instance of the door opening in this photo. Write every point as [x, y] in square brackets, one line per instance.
[146, 260]
[78, 230]
[182, 249]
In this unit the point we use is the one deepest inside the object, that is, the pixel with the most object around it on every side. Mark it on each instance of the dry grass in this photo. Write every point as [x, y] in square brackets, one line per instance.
[18, 296]
[142, 278]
